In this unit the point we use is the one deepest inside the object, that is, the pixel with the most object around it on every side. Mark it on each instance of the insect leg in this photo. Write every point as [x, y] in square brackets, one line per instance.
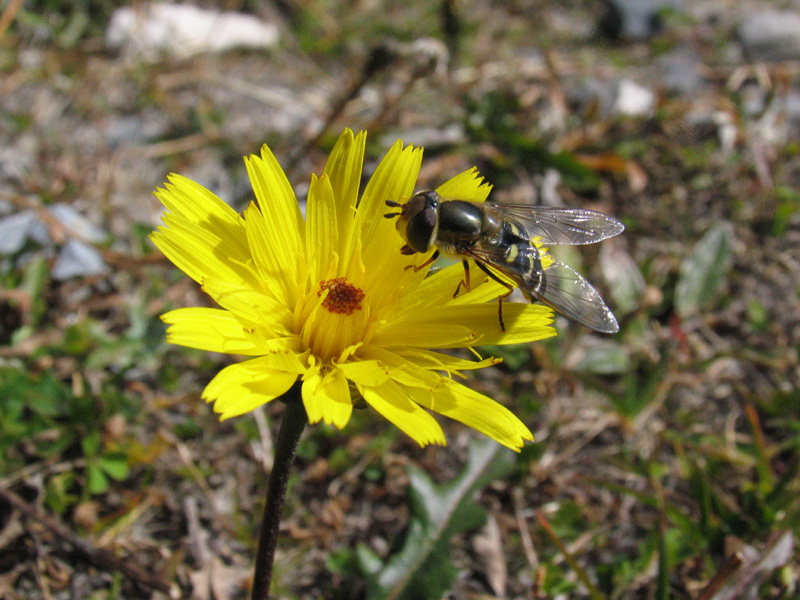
[418, 268]
[499, 298]
[465, 281]
[500, 309]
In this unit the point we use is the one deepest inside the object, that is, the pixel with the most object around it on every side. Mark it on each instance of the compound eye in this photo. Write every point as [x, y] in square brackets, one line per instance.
[423, 214]
[430, 197]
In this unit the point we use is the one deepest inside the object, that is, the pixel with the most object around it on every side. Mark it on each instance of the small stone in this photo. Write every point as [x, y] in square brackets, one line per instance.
[771, 35]
[634, 100]
[77, 259]
[78, 224]
[680, 72]
[15, 230]
[152, 31]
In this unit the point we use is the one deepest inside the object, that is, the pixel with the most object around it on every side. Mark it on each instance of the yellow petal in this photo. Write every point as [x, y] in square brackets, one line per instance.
[199, 218]
[249, 305]
[200, 252]
[400, 369]
[376, 242]
[475, 410]
[237, 390]
[440, 287]
[469, 186]
[344, 171]
[365, 372]
[472, 324]
[321, 231]
[276, 197]
[424, 335]
[524, 323]
[392, 401]
[182, 196]
[191, 202]
[327, 398]
[281, 357]
[279, 272]
[428, 359]
[275, 237]
[394, 179]
[208, 329]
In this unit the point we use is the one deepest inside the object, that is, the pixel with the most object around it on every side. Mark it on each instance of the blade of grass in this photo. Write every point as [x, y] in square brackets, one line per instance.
[766, 475]
[594, 593]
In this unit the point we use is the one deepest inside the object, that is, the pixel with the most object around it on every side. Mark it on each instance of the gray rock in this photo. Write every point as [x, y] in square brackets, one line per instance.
[635, 19]
[770, 35]
[15, 230]
[76, 259]
[77, 223]
[18, 157]
[593, 93]
[680, 72]
[151, 31]
[792, 108]
[135, 129]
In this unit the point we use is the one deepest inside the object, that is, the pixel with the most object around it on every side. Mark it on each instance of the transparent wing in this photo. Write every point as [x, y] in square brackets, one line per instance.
[572, 226]
[563, 289]
[560, 287]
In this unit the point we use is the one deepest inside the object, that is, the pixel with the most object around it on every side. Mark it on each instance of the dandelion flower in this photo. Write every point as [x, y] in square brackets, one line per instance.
[330, 300]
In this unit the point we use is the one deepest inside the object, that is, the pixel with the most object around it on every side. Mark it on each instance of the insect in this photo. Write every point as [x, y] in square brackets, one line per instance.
[499, 238]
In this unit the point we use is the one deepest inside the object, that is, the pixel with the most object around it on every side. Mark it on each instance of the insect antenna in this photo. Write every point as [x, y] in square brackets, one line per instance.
[393, 204]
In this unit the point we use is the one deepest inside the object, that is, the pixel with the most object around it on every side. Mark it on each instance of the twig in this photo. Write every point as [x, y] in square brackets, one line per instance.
[8, 16]
[379, 58]
[424, 56]
[525, 532]
[60, 232]
[100, 558]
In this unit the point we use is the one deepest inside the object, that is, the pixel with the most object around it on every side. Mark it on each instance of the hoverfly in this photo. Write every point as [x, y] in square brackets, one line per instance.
[498, 237]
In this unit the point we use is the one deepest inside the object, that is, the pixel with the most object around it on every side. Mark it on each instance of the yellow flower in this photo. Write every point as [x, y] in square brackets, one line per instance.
[330, 299]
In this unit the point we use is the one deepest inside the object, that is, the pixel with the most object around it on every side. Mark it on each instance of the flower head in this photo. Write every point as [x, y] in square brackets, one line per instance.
[330, 299]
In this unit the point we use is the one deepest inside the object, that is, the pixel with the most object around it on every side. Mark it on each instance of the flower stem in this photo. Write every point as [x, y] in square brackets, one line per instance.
[292, 424]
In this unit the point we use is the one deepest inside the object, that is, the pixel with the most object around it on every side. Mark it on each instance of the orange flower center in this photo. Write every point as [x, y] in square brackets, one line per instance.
[343, 297]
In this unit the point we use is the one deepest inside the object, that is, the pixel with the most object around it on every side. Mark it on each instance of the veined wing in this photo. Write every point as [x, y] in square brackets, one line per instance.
[560, 287]
[565, 290]
[572, 226]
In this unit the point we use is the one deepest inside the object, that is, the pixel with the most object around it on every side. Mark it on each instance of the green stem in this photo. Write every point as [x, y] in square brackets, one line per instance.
[292, 424]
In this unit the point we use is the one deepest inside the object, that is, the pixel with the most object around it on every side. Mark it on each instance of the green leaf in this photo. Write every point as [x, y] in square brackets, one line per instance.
[369, 562]
[662, 578]
[115, 465]
[32, 407]
[625, 281]
[34, 280]
[91, 444]
[603, 357]
[422, 569]
[787, 204]
[704, 271]
[757, 315]
[58, 495]
[98, 482]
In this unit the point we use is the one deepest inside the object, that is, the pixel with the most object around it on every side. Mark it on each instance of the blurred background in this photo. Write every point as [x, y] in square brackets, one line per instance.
[666, 456]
